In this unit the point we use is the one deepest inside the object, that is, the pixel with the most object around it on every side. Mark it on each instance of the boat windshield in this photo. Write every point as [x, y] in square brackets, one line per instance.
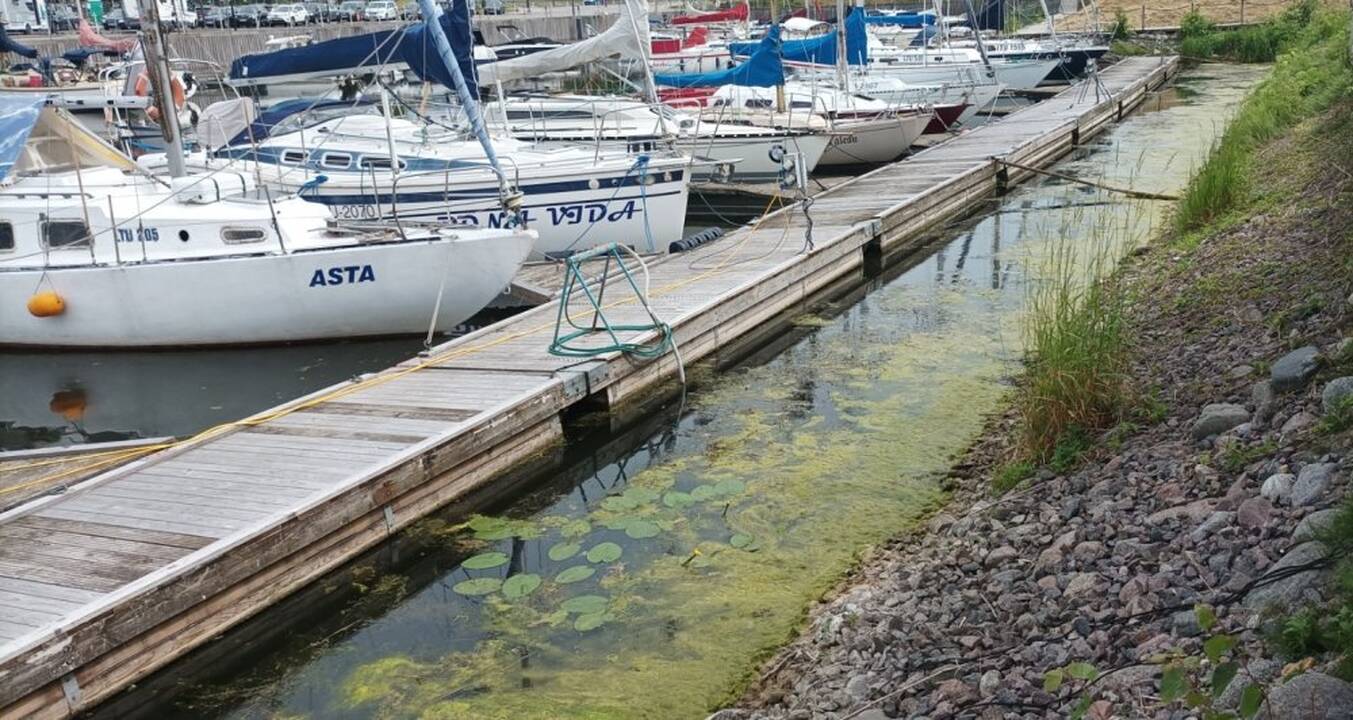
[57, 142]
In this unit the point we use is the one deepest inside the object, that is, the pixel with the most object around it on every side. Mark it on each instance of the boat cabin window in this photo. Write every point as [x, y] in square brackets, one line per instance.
[65, 234]
[800, 103]
[6, 237]
[549, 115]
[378, 163]
[337, 160]
[242, 235]
[759, 103]
[293, 157]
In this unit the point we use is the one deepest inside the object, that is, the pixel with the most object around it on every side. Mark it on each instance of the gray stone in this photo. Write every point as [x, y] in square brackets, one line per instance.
[1294, 370]
[989, 683]
[858, 687]
[1312, 524]
[1312, 483]
[871, 714]
[1128, 680]
[1336, 392]
[1212, 524]
[1218, 418]
[1261, 393]
[1254, 513]
[1278, 487]
[1080, 584]
[1000, 556]
[730, 714]
[1290, 590]
[1309, 696]
[1260, 670]
[1298, 422]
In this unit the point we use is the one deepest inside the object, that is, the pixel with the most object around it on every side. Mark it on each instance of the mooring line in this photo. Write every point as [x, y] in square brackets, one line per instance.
[1139, 194]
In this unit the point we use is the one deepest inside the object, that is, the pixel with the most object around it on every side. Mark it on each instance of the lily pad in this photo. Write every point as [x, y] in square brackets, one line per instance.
[592, 621]
[577, 573]
[703, 493]
[575, 528]
[585, 604]
[604, 553]
[620, 503]
[641, 495]
[740, 540]
[678, 500]
[519, 586]
[477, 586]
[563, 551]
[496, 528]
[640, 529]
[484, 561]
[729, 487]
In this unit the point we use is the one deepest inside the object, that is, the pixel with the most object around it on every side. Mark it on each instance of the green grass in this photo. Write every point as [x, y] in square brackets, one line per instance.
[1325, 632]
[1200, 38]
[1010, 475]
[1077, 343]
[1305, 82]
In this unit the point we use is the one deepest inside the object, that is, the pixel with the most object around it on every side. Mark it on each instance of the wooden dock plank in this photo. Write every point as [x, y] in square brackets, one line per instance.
[187, 541]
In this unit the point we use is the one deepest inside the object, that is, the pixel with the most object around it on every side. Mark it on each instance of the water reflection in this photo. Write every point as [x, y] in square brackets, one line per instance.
[668, 556]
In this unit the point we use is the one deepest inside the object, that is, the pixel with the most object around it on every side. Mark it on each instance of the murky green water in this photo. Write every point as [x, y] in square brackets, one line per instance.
[646, 574]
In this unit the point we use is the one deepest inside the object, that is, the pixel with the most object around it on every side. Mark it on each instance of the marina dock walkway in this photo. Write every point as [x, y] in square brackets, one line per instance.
[132, 568]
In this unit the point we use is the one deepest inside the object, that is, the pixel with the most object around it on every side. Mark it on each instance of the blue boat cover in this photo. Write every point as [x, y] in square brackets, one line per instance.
[906, 20]
[924, 37]
[9, 44]
[263, 125]
[18, 115]
[762, 69]
[410, 45]
[822, 50]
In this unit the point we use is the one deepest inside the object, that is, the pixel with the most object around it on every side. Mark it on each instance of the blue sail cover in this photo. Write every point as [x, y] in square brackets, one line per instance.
[410, 45]
[762, 69]
[262, 126]
[18, 115]
[822, 50]
[906, 20]
[9, 44]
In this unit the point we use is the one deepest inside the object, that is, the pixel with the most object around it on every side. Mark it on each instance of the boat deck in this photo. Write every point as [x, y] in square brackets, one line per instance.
[119, 575]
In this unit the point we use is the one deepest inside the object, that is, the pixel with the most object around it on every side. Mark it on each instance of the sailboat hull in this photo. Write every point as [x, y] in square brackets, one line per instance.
[876, 140]
[352, 291]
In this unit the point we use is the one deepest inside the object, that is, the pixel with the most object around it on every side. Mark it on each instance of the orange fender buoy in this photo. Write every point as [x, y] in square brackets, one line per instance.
[69, 404]
[46, 304]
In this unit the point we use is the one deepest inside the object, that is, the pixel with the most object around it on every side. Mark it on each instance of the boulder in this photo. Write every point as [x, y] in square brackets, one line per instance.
[1217, 418]
[1336, 392]
[1312, 524]
[1254, 513]
[1312, 483]
[1294, 370]
[1309, 696]
[1261, 393]
[1290, 590]
[1278, 487]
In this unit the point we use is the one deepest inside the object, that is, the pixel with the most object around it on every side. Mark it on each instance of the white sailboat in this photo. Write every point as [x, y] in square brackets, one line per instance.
[95, 252]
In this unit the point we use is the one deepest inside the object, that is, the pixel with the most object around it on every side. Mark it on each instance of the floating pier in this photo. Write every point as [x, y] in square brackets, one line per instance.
[136, 566]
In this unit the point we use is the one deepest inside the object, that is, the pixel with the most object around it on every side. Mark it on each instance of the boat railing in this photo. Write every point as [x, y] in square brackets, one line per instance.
[446, 174]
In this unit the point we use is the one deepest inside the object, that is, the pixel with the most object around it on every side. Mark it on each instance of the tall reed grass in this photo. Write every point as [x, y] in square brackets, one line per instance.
[1305, 82]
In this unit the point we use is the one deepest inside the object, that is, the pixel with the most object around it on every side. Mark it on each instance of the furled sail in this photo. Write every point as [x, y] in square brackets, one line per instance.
[627, 37]
[737, 13]
[762, 69]
[407, 47]
[821, 50]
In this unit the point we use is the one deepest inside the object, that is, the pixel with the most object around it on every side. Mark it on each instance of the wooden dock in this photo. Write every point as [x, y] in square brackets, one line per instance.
[134, 567]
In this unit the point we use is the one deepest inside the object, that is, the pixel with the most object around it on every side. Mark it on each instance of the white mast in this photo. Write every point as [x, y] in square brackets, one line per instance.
[161, 80]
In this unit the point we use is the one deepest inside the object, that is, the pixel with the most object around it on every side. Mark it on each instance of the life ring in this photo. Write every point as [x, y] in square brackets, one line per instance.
[175, 84]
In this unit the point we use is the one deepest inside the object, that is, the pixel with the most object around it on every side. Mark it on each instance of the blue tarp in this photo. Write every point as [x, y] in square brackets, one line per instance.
[822, 50]
[9, 44]
[924, 37]
[762, 69]
[263, 125]
[410, 45]
[906, 20]
[18, 115]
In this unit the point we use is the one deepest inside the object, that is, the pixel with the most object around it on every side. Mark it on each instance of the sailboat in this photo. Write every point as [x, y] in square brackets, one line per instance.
[97, 252]
[717, 146]
[364, 164]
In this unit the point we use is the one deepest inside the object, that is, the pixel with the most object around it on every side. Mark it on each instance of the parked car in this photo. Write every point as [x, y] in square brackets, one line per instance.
[181, 19]
[494, 7]
[112, 20]
[63, 18]
[214, 16]
[293, 14]
[381, 11]
[408, 11]
[319, 11]
[351, 10]
[249, 16]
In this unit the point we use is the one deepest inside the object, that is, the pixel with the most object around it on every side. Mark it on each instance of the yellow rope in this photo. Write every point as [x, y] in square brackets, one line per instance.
[114, 456]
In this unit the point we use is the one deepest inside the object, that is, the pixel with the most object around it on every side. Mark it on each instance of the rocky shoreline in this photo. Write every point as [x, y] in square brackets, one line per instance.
[1211, 496]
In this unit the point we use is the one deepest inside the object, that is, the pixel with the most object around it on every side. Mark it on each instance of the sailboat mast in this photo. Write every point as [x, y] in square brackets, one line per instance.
[780, 88]
[161, 80]
[841, 79]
